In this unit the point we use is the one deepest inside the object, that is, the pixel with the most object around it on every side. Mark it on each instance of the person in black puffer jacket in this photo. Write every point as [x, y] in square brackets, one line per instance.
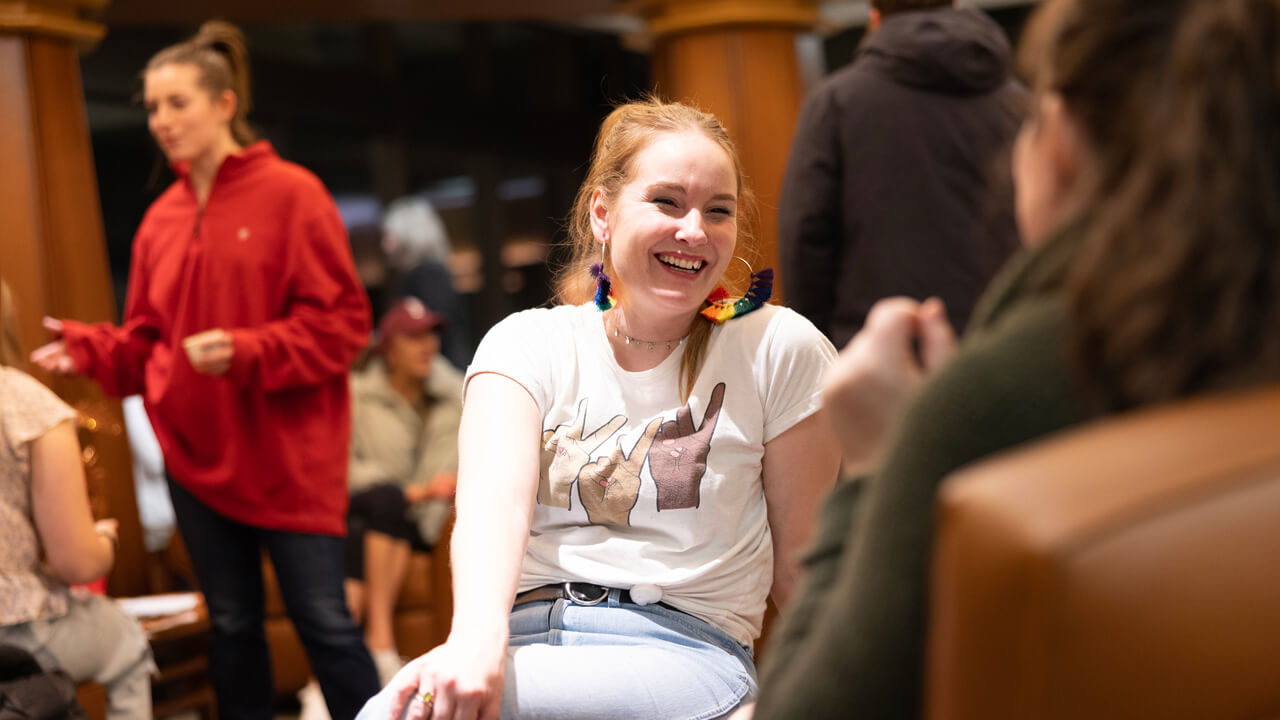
[898, 179]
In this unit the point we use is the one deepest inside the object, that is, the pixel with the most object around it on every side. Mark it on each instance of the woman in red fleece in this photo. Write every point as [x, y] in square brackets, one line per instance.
[243, 317]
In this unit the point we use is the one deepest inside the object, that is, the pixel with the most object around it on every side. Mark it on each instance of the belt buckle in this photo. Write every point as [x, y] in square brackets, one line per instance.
[580, 598]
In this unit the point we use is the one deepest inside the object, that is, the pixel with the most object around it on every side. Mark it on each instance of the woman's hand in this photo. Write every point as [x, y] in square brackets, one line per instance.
[443, 485]
[868, 387]
[54, 357]
[109, 529]
[210, 352]
[464, 679]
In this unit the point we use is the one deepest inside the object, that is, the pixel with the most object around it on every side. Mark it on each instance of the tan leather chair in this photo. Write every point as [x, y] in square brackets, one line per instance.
[1130, 569]
[423, 613]
[92, 697]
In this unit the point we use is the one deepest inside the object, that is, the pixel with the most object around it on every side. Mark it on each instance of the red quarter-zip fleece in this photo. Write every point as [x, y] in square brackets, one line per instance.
[268, 260]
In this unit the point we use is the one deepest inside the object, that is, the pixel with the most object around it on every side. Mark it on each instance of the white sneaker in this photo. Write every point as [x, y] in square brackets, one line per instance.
[388, 663]
[312, 700]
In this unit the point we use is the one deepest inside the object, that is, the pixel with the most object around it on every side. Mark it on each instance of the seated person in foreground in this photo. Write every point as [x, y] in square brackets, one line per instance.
[1147, 174]
[49, 541]
[638, 470]
[406, 405]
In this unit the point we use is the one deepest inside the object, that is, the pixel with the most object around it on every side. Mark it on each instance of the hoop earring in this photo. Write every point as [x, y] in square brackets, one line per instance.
[721, 308]
[603, 299]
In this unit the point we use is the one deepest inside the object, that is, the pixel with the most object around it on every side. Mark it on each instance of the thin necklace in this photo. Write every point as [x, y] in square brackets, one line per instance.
[649, 345]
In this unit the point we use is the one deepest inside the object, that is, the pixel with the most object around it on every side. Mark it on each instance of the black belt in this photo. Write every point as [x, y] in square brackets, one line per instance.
[578, 593]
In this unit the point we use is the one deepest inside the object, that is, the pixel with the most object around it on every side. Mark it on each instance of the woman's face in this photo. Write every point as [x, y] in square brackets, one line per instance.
[186, 121]
[1046, 157]
[672, 228]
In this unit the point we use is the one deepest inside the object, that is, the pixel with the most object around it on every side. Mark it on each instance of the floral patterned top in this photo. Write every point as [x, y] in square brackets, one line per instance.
[28, 410]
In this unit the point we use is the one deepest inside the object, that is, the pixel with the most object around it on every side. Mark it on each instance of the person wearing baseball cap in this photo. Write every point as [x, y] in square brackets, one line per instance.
[406, 405]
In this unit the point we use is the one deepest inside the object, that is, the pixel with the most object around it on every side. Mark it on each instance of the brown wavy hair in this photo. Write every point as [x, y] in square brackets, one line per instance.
[219, 53]
[1176, 288]
[628, 130]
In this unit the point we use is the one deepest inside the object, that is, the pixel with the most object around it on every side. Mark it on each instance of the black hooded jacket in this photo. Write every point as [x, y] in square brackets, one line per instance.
[898, 180]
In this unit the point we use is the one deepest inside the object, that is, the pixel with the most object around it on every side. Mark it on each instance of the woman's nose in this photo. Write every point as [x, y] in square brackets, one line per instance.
[691, 230]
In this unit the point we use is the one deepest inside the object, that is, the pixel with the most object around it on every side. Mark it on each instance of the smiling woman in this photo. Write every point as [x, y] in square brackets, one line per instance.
[638, 504]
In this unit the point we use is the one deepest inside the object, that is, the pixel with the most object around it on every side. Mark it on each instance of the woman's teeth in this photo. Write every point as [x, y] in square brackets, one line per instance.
[687, 264]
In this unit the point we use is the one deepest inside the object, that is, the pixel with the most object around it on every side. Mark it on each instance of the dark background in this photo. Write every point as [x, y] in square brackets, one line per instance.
[491, 121]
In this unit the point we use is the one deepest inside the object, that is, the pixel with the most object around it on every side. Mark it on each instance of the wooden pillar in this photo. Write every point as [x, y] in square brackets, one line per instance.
[52, 245]
[738, 59]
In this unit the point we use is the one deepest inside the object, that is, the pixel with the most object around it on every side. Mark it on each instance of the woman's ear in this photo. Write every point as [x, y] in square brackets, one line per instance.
[227, 103]
[1065, 141]
[599, 216]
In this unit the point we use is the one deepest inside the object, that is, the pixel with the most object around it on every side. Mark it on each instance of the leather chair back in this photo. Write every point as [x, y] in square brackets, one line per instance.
[1129, 569]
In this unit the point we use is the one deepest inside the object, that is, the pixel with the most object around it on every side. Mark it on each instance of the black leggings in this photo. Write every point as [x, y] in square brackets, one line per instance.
[382, 509]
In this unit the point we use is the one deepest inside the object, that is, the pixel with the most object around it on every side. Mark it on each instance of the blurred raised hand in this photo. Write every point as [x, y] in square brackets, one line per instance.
[870, 384]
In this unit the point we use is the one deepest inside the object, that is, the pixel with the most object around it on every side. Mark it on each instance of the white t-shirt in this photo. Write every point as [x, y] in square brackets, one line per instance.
[638, 487]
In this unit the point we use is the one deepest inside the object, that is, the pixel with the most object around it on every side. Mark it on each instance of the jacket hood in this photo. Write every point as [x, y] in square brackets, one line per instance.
[960, 51]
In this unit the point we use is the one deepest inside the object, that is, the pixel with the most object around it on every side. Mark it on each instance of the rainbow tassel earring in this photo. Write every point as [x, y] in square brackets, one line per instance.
[721, 308]
[603, 300]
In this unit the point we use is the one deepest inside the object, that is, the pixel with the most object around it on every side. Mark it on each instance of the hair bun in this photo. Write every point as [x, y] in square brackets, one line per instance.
[221, 36]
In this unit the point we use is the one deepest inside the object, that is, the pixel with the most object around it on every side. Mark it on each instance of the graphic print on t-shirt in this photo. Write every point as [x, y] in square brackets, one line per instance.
[565, 452]
[610, 486]
[678, 457]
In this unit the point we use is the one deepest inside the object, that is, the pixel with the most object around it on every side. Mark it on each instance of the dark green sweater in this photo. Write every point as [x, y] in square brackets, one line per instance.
[851, 644]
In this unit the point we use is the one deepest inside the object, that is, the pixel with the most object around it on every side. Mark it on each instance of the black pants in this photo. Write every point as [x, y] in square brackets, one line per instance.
[227, 557]
[382, 509]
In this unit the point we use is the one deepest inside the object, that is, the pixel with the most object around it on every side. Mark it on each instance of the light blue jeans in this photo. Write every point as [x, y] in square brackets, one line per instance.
[615, 660]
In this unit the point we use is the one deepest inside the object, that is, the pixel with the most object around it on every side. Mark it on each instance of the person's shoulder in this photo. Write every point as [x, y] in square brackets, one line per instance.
[271, 174]
[1024, 321]
[27, 407]
[295, 178]
[1007, 384]
[775, 322]
[845, 93]
[17, 383]
[775, 331]
[833, 90]
[445, 381]
[1026, 343]
[558, 318]
[368, 380]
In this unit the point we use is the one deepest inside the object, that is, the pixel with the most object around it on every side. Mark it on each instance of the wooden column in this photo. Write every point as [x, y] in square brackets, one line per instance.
[52, 246]
[739, 60]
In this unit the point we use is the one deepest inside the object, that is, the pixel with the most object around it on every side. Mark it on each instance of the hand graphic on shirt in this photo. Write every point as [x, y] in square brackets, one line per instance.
[678, 457]
[565, 451]
[610, 485]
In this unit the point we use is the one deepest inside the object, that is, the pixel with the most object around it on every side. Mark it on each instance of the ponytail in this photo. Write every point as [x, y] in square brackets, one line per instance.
[219, 53]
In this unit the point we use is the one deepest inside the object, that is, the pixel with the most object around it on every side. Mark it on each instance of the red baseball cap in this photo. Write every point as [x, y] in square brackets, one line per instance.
[407, 317]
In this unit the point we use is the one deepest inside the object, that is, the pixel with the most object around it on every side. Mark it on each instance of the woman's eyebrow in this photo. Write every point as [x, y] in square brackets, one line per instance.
[677, 187]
